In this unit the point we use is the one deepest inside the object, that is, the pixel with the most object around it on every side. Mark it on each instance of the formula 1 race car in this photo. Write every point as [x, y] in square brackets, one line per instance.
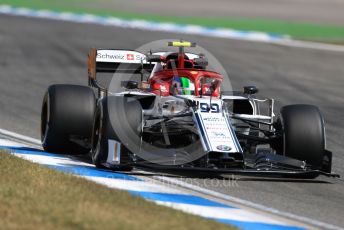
[171, 115]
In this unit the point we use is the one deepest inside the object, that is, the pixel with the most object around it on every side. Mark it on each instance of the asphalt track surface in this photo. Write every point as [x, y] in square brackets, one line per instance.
[37, 53]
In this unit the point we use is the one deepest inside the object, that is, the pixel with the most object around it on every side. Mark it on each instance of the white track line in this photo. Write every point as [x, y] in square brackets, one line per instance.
[206, 191]
[310, 45]
[139, 186]
[221, 213]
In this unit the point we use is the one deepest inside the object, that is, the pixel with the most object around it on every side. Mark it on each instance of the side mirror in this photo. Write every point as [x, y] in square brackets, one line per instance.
[250, 89]
[201, 62]
[130, 84]
[153, 58]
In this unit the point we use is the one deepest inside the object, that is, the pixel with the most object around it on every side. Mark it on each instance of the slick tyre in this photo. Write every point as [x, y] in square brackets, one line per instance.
[117, 119]
[67, 116]
[303, 134]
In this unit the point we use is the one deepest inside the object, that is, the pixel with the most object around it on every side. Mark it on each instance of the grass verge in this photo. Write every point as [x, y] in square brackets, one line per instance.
[305, 31]
[36, 197]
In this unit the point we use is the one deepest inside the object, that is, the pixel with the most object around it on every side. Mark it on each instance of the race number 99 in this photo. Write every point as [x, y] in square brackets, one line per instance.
[206, 108]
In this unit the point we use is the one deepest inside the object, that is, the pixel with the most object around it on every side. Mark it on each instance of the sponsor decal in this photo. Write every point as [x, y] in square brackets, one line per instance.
[219, 134]
[140, 57]
[120, 56]
[130, 57]
[114, 152]
[223, 147]
[214, 119]
[110, 56]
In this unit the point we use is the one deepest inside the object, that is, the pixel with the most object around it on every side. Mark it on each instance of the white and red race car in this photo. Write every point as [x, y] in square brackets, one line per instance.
[174, 117]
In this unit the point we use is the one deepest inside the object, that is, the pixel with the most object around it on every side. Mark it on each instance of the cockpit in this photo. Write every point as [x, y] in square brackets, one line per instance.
[180, 73]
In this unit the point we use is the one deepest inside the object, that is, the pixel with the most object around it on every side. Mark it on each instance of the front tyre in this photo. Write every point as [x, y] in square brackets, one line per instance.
[303, 134]
[67, 118]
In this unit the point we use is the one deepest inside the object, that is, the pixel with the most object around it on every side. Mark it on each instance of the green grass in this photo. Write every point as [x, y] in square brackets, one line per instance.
[35, 197]
[295, 30]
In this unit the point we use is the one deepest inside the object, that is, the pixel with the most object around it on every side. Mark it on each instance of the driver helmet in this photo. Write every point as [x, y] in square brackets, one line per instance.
[183, 86]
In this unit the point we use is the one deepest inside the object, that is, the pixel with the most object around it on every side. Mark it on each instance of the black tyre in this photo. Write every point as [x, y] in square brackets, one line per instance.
[117, 119]
[303, 134]
[67, 119]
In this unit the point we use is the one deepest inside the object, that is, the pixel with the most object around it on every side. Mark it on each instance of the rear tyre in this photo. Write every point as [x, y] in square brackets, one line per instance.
[67, 118]
[117, 119]
[303, 134]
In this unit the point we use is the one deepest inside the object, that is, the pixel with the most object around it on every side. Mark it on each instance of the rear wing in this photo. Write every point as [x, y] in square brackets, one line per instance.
[115, 61]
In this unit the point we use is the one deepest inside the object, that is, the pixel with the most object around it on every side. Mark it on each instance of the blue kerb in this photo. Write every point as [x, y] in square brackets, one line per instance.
[80, 170]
